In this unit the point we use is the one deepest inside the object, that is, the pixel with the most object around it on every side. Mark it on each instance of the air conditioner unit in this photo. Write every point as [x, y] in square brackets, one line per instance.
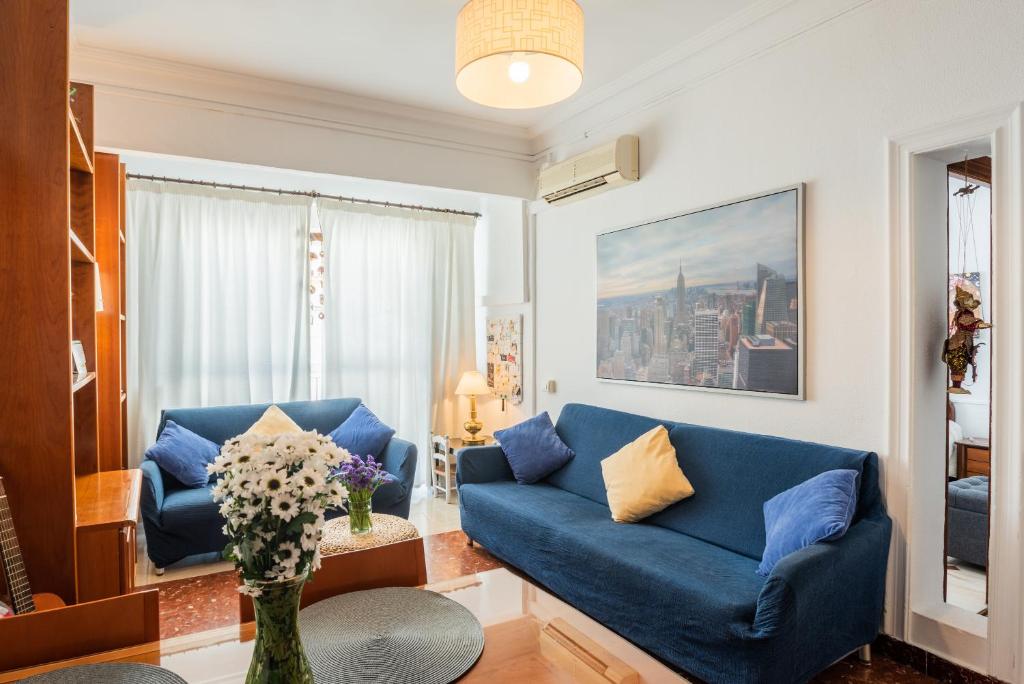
[606, 167]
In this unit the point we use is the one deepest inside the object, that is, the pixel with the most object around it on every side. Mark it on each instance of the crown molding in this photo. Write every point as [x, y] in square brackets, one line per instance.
[188, 85]
[745, 35]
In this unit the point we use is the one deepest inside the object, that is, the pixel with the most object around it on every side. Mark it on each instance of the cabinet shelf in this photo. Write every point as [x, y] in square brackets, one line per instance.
[79, 252]
[81, 160]
[80, 382]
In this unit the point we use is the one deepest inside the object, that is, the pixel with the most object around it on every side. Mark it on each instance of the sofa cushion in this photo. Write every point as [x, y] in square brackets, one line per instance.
[565, 541]
[969, 494]
[362, 433]
[644, 477]
[820, 509]
[272, 423]
[191, 509]
[220, 423]
[183, 454]
[594, 434]
[734, 473]
[533, 448]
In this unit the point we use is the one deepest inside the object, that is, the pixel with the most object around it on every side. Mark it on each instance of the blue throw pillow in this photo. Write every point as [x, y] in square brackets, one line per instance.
[362, 433]
[819, 509]
[183, 454]
[533, 449]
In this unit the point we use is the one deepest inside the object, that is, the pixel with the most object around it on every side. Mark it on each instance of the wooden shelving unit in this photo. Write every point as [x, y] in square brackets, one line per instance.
[110, 322]
[80, 382]
[55, 428]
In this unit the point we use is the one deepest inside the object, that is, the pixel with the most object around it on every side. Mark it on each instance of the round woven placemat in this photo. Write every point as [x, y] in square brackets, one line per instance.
[390, 636]
[109, 673]
[387, 529]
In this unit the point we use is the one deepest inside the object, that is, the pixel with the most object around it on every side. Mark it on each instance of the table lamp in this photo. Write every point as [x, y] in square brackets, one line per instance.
[472, 384]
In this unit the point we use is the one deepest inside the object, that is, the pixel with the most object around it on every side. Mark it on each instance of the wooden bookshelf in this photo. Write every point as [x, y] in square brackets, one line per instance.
[109, 181]
[57, 430]
[81, 159]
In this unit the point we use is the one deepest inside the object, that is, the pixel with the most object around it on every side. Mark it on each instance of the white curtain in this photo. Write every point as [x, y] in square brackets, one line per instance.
[399, 322]
[217, 300]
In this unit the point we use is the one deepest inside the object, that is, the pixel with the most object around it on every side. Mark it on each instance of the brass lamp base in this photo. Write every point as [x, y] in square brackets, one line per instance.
[473, 426]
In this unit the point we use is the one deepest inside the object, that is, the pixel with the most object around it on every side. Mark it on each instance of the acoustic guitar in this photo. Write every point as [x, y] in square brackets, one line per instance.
[13, 565]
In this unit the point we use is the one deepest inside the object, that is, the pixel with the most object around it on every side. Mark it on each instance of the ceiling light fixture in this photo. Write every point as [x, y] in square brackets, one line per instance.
[519, 54]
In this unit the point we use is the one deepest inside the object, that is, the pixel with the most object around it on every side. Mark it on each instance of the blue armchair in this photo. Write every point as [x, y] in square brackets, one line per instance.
[180, 521]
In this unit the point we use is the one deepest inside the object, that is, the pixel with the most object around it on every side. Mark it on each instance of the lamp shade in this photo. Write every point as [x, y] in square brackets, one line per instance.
[518, 54]
[472, 383]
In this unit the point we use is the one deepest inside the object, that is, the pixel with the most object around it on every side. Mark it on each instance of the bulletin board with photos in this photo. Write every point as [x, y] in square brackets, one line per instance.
[504, 358]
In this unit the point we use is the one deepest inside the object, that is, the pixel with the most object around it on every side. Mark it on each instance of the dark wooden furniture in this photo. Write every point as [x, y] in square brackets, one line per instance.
[50, 436]
[401, 564]
[108, 508]
[972, 458]
[110, 322]
[44, 426]
[79, 630]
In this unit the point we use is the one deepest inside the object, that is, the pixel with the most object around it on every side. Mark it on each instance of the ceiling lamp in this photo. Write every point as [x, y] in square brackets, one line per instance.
[518, 54]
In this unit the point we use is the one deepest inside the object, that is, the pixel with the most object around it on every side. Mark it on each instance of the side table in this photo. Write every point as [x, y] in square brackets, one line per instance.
[442, 463]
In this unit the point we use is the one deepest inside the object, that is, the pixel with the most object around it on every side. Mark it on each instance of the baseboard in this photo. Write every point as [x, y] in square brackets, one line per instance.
[928, 663]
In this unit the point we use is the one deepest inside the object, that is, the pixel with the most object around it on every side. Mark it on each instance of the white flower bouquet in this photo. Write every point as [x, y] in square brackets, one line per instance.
[273, 493]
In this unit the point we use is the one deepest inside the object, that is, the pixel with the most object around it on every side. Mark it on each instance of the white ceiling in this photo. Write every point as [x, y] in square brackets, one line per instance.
[400, 51]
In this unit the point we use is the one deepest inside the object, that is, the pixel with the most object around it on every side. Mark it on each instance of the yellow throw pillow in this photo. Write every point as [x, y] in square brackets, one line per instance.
[274, 422]
[644, 477]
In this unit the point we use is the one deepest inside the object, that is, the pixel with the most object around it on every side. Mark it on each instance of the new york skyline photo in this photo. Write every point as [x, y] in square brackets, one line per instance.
[708, 299]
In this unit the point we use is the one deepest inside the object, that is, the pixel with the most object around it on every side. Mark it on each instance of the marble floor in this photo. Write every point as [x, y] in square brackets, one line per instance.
[431, 515]
[200, 594]
[966, 586]
[208, 601]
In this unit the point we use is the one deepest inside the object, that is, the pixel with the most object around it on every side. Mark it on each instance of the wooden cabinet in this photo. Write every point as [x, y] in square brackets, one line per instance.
[108, 508]
[972, 458]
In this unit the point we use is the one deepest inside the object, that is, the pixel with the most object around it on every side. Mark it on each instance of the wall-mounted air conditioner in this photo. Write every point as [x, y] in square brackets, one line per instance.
[603, 168]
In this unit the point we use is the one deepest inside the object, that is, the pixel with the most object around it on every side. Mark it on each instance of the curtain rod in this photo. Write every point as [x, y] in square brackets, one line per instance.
[311, 193]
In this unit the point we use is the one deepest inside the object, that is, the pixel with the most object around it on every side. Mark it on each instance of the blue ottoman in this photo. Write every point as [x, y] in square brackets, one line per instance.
[967, 520]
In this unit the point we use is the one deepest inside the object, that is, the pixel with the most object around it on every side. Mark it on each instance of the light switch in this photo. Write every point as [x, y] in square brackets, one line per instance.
[550, 387]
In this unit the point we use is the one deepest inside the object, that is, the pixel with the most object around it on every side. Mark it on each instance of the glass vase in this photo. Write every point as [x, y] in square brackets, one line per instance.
[360, 509]
[278, 656]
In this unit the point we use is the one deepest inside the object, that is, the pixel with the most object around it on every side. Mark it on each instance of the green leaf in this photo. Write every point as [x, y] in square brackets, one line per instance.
[295, 526]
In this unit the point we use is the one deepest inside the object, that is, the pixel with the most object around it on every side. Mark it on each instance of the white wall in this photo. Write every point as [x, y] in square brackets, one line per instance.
[175, 109]
[817, 109]
[504, 281]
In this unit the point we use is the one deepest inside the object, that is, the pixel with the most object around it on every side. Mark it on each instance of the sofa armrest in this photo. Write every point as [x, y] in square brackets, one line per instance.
[831, 585]
[399, 459]
[152, 495]
[482, 464]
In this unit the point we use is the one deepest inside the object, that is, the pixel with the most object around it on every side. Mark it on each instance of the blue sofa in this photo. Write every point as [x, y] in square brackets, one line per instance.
[180, 521]
[682, 583]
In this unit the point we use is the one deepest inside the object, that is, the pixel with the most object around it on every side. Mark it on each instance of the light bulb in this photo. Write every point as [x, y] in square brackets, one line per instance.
[519, 72]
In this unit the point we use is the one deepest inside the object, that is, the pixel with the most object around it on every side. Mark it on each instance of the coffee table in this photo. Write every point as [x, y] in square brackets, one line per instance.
[530, 636]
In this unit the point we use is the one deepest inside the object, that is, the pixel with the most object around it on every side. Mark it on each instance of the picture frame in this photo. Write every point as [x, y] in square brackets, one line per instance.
[78, 358]
[765, 229]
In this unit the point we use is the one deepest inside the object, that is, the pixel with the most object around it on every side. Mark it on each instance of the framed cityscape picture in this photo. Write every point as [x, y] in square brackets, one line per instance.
[710, 300]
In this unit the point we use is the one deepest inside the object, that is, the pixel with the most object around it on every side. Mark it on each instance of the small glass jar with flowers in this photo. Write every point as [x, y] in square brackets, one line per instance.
[362, 478]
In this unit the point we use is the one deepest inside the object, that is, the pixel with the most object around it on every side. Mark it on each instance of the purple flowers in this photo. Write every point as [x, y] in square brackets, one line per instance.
[361, 476]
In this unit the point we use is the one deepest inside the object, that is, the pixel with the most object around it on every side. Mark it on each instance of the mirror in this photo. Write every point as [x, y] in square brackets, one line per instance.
[967, 353]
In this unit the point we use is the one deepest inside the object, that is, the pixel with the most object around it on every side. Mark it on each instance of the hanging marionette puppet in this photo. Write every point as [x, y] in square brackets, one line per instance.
[960, 350]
